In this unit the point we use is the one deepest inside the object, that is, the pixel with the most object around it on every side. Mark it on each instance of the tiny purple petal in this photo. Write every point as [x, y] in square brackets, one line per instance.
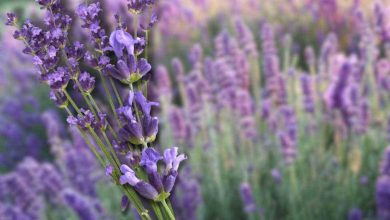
[109, 170]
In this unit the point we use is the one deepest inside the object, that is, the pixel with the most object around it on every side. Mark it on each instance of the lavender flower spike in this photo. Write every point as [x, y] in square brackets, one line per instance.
[126, 111]
[149, 128]
[383, 197]
[11, 19]
[128, 70]
[247, 197]
[385, 163]
[132, 132]
[87, 82]
[79, 204]
[172, 162]
[355, 214]
[143, 188]
[149, 160]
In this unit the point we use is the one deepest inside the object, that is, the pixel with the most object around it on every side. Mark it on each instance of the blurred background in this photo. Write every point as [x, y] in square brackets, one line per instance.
[281, 105]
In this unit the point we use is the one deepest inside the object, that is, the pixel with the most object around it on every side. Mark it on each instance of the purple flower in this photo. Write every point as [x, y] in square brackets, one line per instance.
[87, 82]
[88, 13]
[146, 190]
[149, 159]
[145, 105]
[80, 204]
[383, 197]
[308, 99]
[58, 79]
[172, 162]
[355, 214]
[334, 93]
[178, 68]
[153, 20]
[288, 148]
[149, 128]
[363, 180]
[126, 111]
[101, 123]
[136, 132]
[52, 180]
[246, 113]
[385, 163]
[91, 60]
[109, 170]
[128, 70]
[85, 119]
[11, 19]
[132, 132]
[120, 40]
[187, 196]
[310, 58]
[163, 82]
[128, 176]
[125, 203]
[276, 175]
[143, 188]
[75, 51]
[103, 61]
[59, 98]
[247, 197]
[195, 55]
[246, 38]
[137, 6]
[177, 123]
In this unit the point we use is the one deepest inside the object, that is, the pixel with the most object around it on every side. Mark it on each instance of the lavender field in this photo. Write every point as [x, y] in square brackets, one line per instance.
[195, 109]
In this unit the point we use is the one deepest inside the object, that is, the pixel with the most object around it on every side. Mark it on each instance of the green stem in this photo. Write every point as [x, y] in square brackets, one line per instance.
[132, 195]
[168, 210]
[118, 97]
[169, 205]
[111, 148]
[103, 148]
[71, 101]
[108, 94]
[97, 155]
[255, 79]
[157, 210]
[85, 98]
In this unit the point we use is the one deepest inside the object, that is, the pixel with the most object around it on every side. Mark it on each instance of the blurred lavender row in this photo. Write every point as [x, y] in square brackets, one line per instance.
[282, 109]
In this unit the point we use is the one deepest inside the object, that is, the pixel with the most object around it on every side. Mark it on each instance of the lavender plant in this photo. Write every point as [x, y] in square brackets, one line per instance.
[121, 138]
[276, 131]
[21, 129]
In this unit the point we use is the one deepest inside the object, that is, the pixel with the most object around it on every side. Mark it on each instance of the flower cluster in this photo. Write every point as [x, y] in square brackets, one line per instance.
[144, 130]
[130, 126]
[158, 185]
